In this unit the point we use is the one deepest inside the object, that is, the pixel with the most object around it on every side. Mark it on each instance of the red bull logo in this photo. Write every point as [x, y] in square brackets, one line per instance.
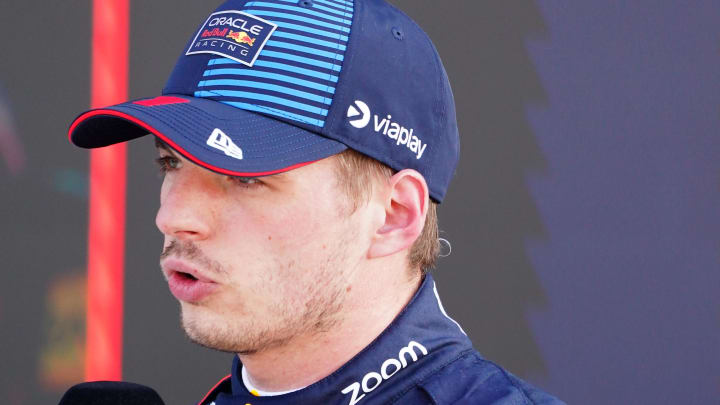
[216, 32]
[241, 37]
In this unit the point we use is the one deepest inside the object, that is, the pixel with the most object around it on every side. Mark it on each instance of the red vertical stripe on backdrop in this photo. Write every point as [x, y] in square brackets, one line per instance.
[106, 234]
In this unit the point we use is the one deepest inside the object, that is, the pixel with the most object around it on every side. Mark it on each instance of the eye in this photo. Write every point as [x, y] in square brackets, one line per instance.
[167, 163]
[246, 182]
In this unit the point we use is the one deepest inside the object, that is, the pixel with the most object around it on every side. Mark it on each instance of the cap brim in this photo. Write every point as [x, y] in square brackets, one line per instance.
[247, 144]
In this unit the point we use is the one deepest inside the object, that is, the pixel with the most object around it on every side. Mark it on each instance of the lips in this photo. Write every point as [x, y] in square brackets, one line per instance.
[186, 283]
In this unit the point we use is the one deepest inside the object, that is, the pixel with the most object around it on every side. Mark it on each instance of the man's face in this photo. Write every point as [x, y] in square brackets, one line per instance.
[270, 258]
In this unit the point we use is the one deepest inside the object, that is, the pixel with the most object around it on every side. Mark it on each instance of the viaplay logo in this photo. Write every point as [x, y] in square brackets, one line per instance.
[360, 116]
[356, 109]
[233, 34]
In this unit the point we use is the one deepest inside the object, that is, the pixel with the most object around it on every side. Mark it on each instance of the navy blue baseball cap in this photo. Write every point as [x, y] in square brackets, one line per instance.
[267, 86]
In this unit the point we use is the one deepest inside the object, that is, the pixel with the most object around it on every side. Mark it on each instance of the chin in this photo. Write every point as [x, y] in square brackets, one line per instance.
[213, 331]
[203, 332]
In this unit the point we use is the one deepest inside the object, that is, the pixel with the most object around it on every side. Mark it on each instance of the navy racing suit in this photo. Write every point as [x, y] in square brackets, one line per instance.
[423, 357]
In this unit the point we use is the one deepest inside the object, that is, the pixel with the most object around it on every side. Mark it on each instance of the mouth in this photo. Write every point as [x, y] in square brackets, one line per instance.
[186, 283]
[186, 276]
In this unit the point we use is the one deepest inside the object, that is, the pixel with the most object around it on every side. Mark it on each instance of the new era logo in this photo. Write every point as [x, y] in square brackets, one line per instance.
[220, 141]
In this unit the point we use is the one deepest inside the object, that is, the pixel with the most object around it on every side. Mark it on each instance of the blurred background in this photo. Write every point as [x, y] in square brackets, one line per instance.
[584, 217]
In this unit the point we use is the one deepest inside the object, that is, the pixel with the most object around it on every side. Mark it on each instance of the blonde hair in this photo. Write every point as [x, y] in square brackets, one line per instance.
[356, 175]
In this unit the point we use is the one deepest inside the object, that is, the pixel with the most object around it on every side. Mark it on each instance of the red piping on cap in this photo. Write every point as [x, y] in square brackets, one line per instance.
[175, 146]
[161, 100]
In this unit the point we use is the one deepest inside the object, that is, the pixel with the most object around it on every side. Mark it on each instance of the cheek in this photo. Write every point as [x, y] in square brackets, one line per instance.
[262, 243]
[289, 223]
[307, 230]
[290, 236]
[269, 240]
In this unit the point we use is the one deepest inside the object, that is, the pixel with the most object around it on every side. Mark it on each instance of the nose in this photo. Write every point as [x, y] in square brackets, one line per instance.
[186, 205]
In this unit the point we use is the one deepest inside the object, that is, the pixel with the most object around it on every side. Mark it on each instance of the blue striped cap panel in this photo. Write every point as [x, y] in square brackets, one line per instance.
[295, 75]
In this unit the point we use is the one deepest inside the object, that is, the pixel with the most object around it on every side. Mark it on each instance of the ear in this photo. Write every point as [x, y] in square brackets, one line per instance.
[406, 205]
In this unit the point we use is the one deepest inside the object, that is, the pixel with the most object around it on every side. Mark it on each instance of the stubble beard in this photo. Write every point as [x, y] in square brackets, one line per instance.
[317, 312]
[320, 315]
[250, 338]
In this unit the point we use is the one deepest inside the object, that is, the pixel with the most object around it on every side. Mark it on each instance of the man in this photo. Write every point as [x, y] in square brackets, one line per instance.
[305, 145]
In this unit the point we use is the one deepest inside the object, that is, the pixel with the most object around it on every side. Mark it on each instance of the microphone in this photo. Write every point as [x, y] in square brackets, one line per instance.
[110, 393]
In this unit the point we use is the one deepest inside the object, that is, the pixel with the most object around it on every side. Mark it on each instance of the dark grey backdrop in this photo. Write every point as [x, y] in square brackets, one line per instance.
[583, 217]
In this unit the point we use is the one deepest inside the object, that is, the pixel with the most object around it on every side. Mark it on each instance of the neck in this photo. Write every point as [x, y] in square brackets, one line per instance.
[372, 303]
